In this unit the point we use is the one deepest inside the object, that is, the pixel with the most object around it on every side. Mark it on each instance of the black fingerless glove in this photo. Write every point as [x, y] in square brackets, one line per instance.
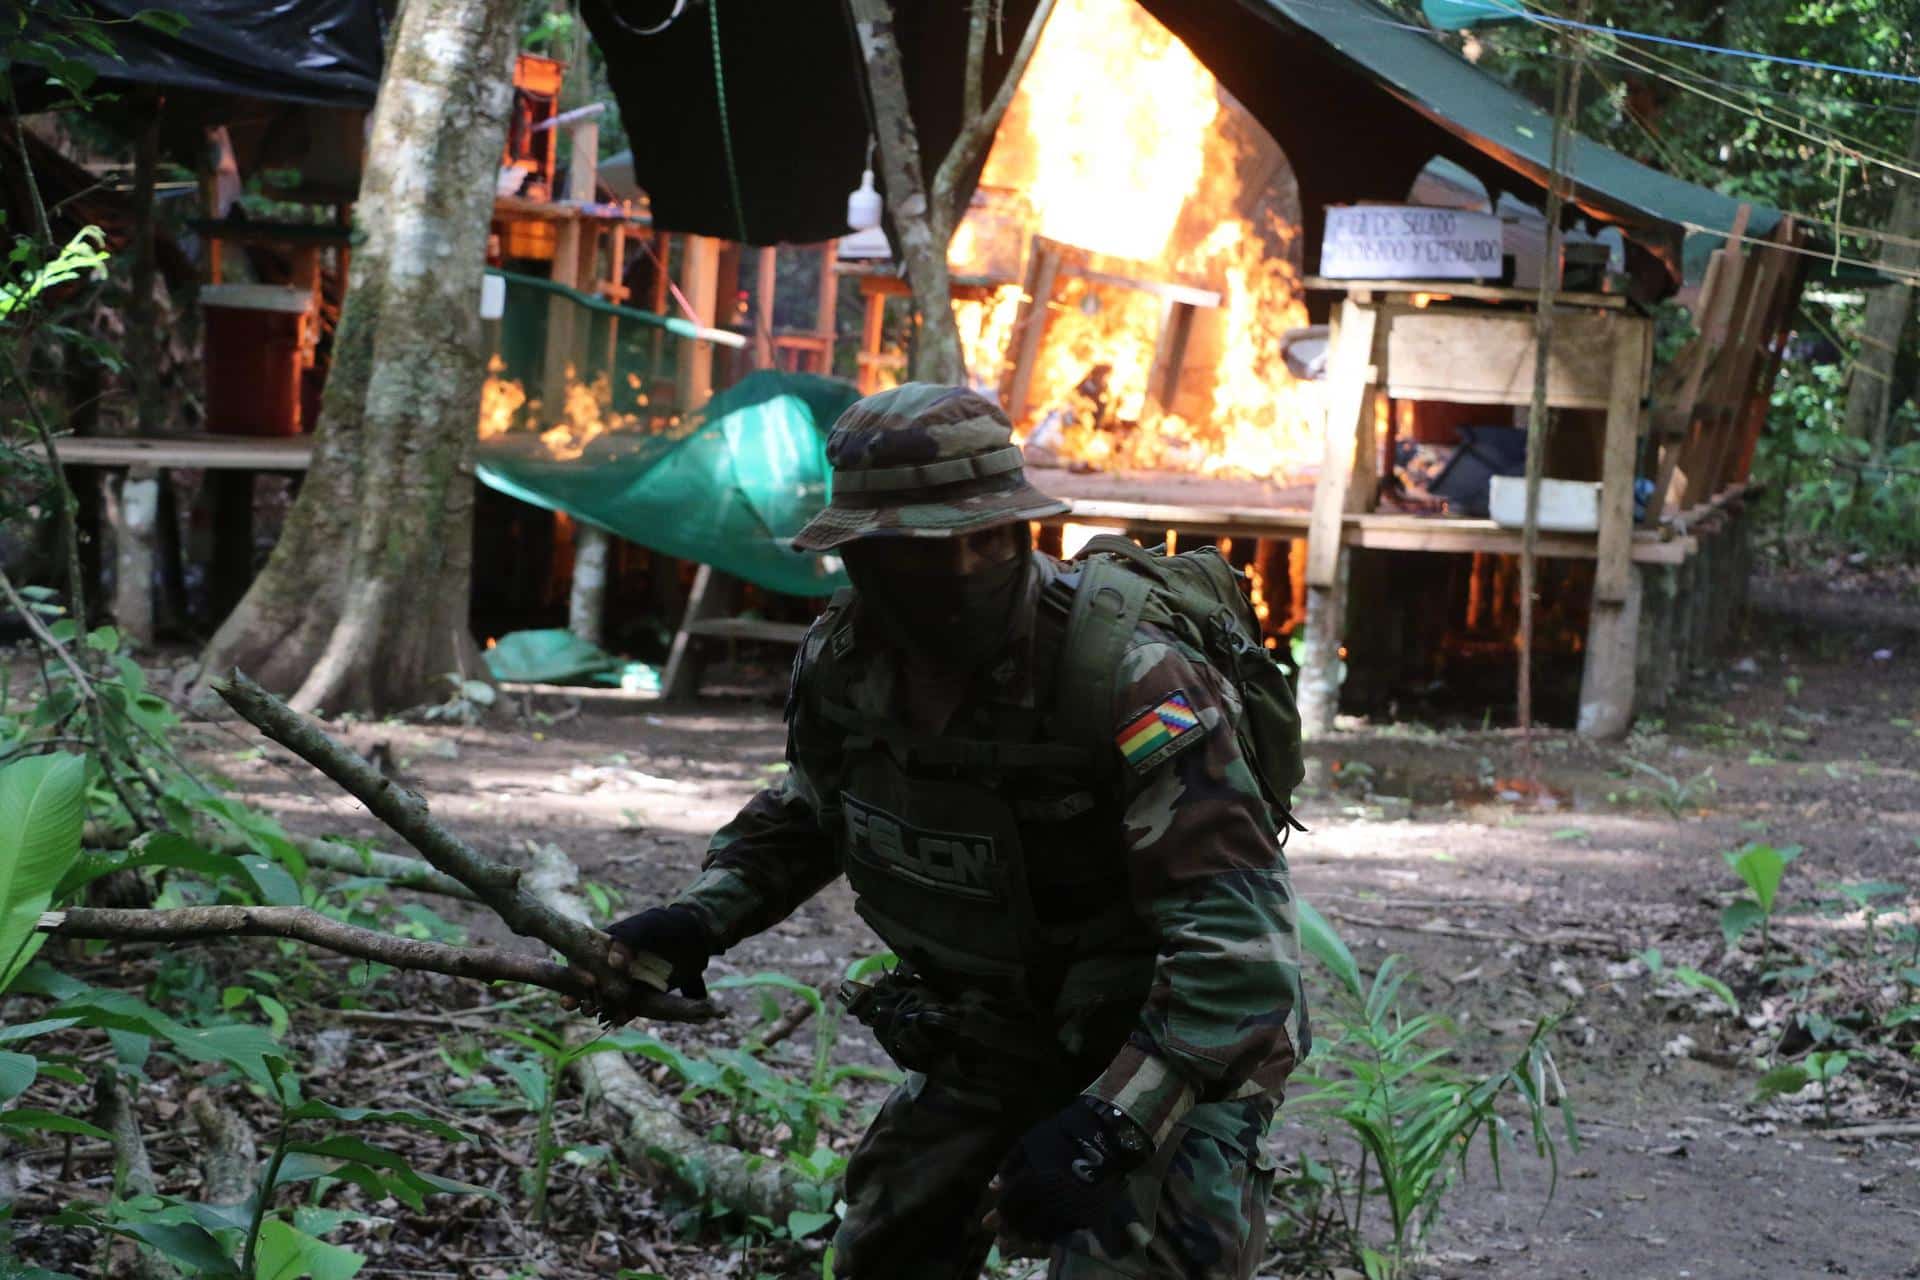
[1062, 1174]
[676, 935]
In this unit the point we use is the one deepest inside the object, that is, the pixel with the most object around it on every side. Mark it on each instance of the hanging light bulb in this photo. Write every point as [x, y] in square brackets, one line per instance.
[863, 206]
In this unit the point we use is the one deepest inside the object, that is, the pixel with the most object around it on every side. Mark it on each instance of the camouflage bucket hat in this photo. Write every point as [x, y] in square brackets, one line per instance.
[923, 461]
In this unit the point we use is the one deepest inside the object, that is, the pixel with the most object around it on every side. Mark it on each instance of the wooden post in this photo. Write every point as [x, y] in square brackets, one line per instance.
[587, 602]
[700, 282]
[1359, 341]
[872, 330]
[825, 323]
[1613, 626]
[560, 344]
[766, 282]
[1031, 326]
[711, 597]
[132, 503]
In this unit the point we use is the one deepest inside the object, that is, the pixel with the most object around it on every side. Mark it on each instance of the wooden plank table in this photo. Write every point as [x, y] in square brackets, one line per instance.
[133, 508]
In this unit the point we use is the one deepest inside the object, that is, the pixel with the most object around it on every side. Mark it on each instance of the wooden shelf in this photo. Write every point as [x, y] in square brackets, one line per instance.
[1361, 290]
[202, 451]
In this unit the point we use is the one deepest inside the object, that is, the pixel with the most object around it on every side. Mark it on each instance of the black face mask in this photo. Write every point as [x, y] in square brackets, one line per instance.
[957, 618]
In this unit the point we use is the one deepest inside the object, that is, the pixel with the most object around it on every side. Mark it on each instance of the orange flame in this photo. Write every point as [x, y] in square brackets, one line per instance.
[588, 414]
[1124, 144]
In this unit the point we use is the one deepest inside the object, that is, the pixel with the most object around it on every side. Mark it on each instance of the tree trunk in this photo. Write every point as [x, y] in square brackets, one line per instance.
[924, 220]
[1870, 396]
[916, 223]
[364, 602]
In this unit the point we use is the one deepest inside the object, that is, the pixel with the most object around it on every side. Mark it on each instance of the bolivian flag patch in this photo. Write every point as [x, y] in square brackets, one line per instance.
[1159, 732]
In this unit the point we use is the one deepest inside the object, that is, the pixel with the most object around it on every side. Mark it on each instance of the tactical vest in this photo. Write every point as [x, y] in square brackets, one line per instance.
[989, 857]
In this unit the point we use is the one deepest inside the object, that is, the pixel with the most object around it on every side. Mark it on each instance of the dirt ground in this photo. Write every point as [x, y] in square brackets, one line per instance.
[1510, 903]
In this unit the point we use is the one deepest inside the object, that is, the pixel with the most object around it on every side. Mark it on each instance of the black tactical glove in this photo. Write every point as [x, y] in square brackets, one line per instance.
[1062, 1173]
[676, 935]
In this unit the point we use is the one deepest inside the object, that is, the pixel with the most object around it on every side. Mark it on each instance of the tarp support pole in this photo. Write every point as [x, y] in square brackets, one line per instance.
[587, 602]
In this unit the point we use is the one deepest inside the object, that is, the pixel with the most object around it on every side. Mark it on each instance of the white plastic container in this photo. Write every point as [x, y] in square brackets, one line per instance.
[1566, 506]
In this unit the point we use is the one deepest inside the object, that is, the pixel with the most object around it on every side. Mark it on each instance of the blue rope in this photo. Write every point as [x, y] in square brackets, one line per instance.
[726, 129]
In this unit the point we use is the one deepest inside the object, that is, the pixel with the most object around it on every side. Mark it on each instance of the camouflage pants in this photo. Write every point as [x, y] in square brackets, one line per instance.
[917, 1190]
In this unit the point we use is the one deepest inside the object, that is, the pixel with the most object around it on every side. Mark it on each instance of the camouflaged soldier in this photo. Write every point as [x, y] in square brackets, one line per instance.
[1098, 999]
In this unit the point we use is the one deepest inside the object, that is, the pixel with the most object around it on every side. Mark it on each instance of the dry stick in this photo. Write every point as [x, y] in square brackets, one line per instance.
[495, 884]
[1566, 96]
[182, 924]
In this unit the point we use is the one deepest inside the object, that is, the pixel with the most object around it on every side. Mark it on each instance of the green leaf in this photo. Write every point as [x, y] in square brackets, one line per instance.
[42, 808]
[184, 1243]
[800, 1224]
[288, 1253]
[1762, 866]
[1739, 916]
[242, 1047]
[1319, 940]
[1791, 1078]
[17, 1071]
[314, 1109]
[32, 1119]
[27, 1030]
[1707, 982]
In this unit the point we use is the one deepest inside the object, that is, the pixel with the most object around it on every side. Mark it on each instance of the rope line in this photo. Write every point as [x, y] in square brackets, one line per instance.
[726, 128]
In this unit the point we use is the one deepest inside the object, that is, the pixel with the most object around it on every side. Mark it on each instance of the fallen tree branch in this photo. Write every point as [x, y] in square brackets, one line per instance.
[230, 1160]
[1572, 939]
[132, 1168]
[494, 884]
[1863, 1132]
[486, 964]
[645, 1123]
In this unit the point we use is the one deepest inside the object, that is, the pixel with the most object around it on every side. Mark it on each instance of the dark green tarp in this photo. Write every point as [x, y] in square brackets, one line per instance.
[729, 493]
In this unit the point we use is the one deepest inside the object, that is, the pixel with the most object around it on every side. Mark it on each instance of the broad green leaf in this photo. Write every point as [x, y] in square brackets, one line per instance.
[1739, 916]
[1319, 940]
[32, 1119]
[315, 1109]
[42, 808]
[164, 849]
[185, 1243]
[27, 1030]
[17, 1071]
[242, 1047]
[1762, 866]
[800, 1224]
[288, 1253]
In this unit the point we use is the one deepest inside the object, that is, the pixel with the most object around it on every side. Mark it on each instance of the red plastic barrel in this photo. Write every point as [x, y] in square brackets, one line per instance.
[256, 350]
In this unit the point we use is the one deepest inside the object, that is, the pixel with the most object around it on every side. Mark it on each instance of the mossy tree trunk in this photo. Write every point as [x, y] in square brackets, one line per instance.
[363, 604]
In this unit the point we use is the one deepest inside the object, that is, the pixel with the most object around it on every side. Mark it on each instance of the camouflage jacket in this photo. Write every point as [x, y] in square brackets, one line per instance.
[1208, 882]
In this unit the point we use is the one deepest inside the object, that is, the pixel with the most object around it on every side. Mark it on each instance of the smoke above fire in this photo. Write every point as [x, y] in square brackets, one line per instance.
[1120, 142]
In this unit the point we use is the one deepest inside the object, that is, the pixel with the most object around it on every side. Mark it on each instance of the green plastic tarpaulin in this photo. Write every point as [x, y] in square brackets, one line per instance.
[730, 493]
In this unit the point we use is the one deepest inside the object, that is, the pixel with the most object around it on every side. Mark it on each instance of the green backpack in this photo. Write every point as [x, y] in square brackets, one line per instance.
[1198, 596]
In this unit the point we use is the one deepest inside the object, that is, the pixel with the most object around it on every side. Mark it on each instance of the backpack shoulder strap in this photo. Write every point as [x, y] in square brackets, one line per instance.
[1106, 611]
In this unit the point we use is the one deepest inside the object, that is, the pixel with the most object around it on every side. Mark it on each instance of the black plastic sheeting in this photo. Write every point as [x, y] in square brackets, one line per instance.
[324, 52]
[794, 94]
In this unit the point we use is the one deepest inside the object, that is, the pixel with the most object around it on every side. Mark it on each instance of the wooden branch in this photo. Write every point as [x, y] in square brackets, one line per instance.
[486, 964]
[977, 22]
[644, 1123]
[494, 884]
[978, 127]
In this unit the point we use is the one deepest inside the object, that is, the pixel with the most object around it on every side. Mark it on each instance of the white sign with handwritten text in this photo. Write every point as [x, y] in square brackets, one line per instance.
[1408, 242]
